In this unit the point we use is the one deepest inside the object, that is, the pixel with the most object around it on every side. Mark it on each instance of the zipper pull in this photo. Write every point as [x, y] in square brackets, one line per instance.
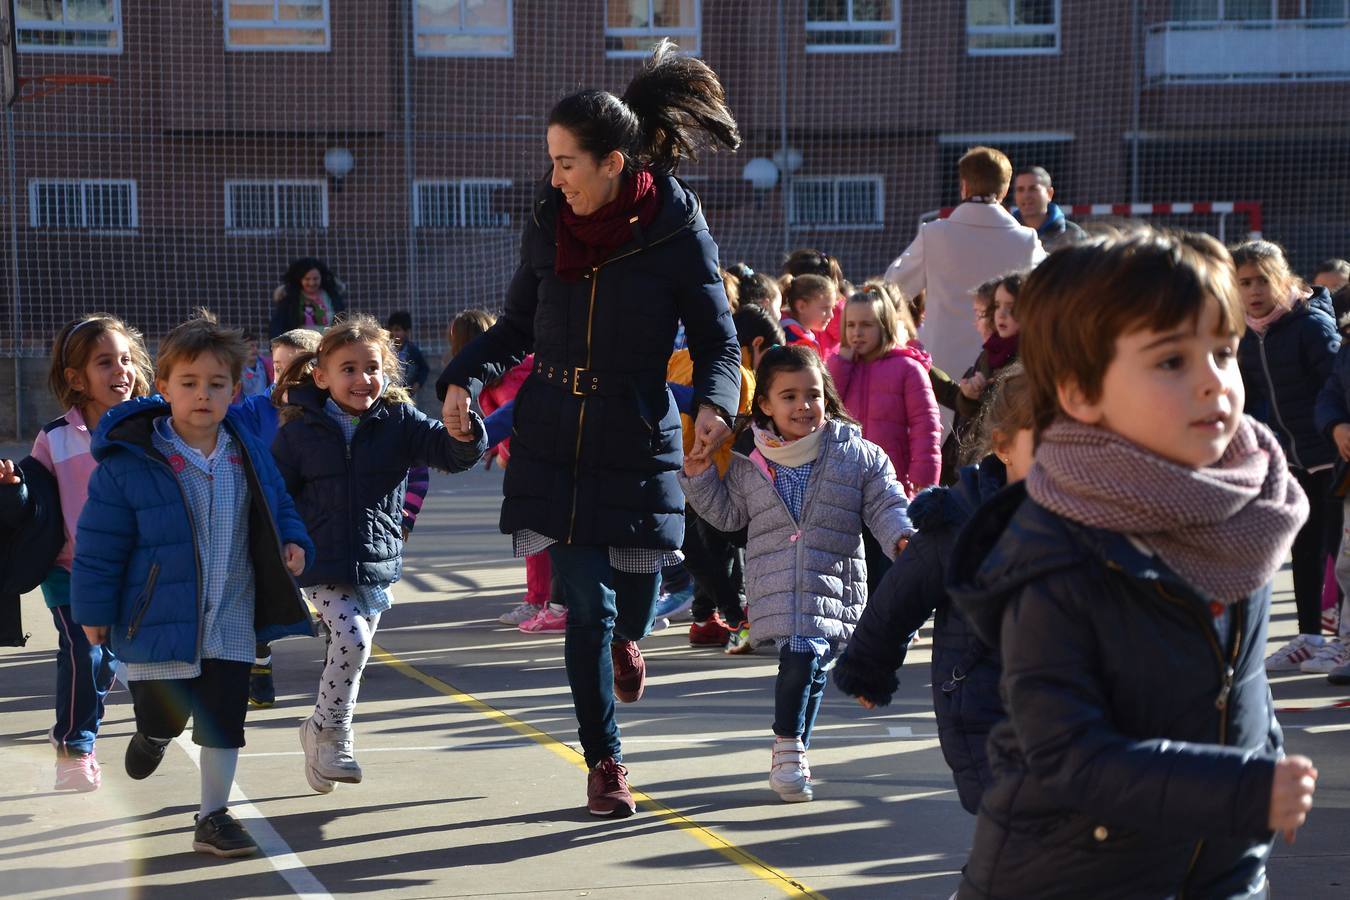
[1221, 702]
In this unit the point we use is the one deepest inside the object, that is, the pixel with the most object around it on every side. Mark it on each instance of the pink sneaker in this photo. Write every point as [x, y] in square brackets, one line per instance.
[77, 772]
[546, 621]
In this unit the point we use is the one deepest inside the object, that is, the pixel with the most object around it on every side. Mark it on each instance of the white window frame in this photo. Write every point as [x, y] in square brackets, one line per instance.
[879, 185]
[279, 24]
[695, 31]
[849, 24]
[22, 25]
[459, 184]
[274, 183]
[83, 184]
[1014, 30]
[509, 33]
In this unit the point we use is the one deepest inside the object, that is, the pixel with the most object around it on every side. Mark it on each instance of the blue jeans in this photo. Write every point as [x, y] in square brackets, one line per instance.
[602, 603]
[797, 692]
[84, 676]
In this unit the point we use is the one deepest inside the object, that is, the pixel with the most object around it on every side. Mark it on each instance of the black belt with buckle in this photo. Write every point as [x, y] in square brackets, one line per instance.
[582, 382]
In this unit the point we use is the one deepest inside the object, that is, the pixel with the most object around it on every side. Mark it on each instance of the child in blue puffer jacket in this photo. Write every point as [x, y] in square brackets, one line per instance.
[349, 433]
[186, 551]
[964, 669]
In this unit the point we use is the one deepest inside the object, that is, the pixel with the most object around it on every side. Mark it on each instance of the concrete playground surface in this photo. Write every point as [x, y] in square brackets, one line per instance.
[474, 787]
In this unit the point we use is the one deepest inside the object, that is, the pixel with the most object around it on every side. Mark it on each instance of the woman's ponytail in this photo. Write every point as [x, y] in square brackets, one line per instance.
[675, 98]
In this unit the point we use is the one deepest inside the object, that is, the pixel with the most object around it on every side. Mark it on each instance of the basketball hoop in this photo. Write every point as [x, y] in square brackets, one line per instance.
[34, 87]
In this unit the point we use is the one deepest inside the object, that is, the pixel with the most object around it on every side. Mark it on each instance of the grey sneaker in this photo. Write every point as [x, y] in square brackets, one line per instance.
[309, 742]
[336, 761]
[789, 774]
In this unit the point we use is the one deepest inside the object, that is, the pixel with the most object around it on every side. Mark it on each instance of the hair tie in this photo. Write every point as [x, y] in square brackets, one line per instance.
[65, 345]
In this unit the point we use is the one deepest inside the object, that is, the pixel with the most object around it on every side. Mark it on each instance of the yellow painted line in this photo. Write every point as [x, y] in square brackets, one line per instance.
[746, 860]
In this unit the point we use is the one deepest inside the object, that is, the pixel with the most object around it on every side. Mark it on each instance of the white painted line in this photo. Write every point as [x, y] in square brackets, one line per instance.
[277, 851]
[901, 731]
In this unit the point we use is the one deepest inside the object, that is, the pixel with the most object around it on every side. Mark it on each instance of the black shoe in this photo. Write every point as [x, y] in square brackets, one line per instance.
[261, 692]
[220, 833]
[143, 756]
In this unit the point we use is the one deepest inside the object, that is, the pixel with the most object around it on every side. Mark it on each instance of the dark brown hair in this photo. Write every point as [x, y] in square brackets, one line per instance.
[203, 333]
[803, 287]
[793, 359]
[74, 345]
[814, 262]
[1076, 304]
[468, 325]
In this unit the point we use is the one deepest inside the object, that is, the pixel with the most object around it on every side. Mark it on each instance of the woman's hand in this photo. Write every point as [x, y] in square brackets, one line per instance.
[695, 467]
[9, 472]
[455, 413]
[710, 432]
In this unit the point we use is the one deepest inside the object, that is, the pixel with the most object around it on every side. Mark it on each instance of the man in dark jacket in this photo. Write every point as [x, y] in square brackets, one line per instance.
[1034, 196]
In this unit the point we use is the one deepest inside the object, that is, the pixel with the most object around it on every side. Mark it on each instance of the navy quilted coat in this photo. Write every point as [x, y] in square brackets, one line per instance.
[964, 671]
[1140, 745]
[351, 496]
[600, 469]
[136, 569]
[1285, 369]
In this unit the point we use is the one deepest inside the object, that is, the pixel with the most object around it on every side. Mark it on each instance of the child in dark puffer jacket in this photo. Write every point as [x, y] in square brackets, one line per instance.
[1126, 589]
[964, 670]
[348, 437]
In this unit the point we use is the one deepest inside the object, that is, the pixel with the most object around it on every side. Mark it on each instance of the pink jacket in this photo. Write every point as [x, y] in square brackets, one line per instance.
[893, 399]
[501, 392]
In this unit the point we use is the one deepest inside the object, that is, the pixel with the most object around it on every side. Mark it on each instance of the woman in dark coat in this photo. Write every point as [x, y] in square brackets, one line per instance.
[310, 296]
[615, 255]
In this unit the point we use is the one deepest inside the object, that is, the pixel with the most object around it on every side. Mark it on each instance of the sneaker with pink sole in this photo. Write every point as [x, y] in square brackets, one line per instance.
[547, 621]
[521, 612]
[75, 771]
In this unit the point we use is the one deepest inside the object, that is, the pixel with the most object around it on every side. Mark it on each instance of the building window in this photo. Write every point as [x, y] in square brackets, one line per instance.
[632, 27]
[462, 27]
[852, 26]
[1012, 27]
[466, 203]
[267, 206]
[1256, 10]
[277, 25]
[68, 26]
[853, 201]
[85, 204]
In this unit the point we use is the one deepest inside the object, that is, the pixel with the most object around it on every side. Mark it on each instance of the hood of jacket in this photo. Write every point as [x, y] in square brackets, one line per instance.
[952, 506]
[1318, 302]
[129, 426]
[680, 210]
[1054, 223]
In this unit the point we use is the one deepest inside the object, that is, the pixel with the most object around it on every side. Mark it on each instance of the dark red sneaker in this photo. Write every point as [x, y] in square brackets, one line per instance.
[607, 790]
[630, 671]
[712, 633]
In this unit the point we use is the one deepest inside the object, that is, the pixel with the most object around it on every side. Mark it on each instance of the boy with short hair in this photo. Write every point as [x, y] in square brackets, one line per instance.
[187, 550]
[414, 364]
[1127, 588]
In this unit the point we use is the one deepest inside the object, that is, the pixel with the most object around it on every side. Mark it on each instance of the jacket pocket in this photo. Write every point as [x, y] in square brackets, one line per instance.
[143, 603]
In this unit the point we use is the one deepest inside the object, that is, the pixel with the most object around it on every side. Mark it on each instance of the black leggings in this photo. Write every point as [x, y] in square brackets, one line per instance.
[1319, 536]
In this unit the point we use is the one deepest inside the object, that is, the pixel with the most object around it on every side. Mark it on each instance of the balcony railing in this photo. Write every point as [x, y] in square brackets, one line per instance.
[1248, 51]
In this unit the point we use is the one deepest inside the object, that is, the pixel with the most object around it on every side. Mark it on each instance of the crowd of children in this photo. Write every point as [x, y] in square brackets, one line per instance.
[1153, 423]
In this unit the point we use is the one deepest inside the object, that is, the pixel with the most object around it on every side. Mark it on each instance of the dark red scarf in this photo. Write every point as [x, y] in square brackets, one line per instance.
[1000, 350]
[586, 241]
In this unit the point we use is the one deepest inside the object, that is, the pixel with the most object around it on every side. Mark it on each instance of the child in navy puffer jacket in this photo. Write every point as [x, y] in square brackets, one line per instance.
[185, 554]
[1286, 356]
[349, 434]
[964, 669]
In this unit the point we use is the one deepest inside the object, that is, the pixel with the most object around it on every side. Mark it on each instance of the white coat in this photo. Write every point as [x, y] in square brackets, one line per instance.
[949, 258]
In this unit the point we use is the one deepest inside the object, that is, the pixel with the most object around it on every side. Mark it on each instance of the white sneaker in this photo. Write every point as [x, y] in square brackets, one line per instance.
[309, 742]
[336, 761]
[1334, 653]
[1293, 654]
[518, 613]
[789, 774]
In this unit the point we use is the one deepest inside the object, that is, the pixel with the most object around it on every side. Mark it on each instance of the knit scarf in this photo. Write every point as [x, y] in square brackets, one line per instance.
[1000, 350]
[586, 241]
[1225, 529]
[1260, 325]
[782, 452]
